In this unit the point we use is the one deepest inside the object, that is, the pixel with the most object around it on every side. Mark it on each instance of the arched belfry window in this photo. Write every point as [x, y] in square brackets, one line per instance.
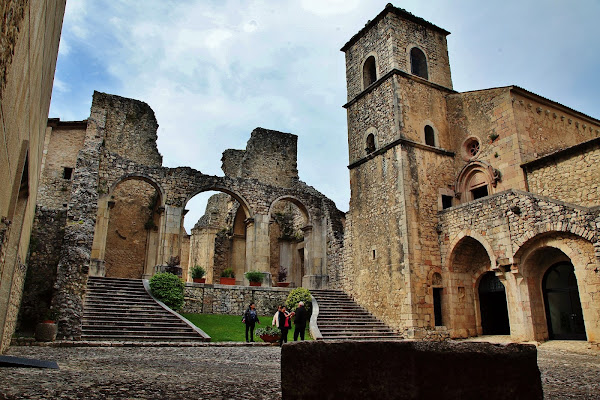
[370, 143]
[418, 63]
[369, 72]
[429, 135]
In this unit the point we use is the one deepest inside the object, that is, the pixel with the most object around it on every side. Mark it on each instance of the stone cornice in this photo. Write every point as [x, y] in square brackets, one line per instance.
[401, 141]
[569, 151]
[403, 74]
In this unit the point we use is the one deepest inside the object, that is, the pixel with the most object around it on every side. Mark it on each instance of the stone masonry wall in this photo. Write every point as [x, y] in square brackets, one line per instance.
[572, 178]
[232, 300]
[29, 38]
[46, 242]
[63, 145]
[550, 127]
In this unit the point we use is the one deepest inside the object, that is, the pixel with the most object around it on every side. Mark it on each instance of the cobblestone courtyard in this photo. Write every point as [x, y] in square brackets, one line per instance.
[212, 372]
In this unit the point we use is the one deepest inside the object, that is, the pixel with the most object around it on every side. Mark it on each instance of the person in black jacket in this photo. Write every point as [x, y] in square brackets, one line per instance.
[250, 318]
[300, 321]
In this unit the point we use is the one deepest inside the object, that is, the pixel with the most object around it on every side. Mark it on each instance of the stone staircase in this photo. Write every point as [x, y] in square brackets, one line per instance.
[121, 310]
[340, 318]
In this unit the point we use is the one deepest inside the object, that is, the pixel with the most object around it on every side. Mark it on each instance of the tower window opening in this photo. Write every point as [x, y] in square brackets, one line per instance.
[418, 63]
[446, 201]
[370, 143]
[369, 72]
[429, 135]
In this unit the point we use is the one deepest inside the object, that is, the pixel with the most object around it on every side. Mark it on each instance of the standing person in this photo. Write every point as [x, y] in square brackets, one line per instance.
[276, 317]
[300, 321]
[250, 318]
[285, 323]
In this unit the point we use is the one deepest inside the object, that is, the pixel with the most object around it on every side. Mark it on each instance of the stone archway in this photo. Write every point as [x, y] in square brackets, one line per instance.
[538, 258]
[468, 261]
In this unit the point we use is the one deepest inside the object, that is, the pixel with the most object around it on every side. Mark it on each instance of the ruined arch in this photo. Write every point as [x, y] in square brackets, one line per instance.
[218, 239]
[128, 227]
[533, 261]
[290, 235]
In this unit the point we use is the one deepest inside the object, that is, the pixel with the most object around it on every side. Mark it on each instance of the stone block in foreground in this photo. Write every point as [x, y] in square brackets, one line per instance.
[409, 370]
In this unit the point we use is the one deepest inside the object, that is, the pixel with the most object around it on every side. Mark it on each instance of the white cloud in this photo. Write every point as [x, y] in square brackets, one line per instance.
[213, 71]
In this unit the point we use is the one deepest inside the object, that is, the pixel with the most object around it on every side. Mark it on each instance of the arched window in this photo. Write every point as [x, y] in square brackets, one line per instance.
[370, 143]
[429, 135]
[476, 180]
[418, 63]
[369, 72]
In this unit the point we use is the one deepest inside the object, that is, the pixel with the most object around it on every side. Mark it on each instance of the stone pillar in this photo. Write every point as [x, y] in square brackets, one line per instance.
[170, 233]
[258, 249]
[97, 265]
[315, 251]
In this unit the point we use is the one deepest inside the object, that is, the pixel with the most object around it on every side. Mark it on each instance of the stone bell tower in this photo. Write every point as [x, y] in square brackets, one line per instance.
[398, 77]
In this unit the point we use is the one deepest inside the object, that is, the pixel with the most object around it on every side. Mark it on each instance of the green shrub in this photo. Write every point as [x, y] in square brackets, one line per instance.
[168, 288]
[227, 273]
[297, 295]
[254, 276]
[198, 272]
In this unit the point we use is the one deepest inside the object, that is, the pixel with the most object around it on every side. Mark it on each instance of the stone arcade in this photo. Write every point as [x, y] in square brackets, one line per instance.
[471, 213]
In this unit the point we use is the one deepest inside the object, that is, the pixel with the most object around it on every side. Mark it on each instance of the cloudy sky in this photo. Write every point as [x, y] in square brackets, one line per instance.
[212, 71]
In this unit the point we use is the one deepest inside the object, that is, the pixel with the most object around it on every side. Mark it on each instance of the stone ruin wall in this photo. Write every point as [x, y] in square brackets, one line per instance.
[572, 177]
[130, 129]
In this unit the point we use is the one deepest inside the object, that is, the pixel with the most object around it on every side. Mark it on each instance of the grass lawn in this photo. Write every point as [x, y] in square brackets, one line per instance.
[229, 328]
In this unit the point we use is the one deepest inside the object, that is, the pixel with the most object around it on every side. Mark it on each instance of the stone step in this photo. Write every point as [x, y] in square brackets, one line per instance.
[341, 318]
[142, 338]
[122, 310]
[129, 328]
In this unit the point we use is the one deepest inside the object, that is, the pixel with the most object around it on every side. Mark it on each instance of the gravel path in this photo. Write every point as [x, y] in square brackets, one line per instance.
[568, 372]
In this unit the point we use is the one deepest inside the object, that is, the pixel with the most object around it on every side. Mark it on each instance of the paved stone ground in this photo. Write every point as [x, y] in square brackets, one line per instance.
[569, 371]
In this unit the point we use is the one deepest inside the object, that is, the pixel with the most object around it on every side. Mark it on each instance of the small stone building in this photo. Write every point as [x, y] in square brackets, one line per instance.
[470, 213]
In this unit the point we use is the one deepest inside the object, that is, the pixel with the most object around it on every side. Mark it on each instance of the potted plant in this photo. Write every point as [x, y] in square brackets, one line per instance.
[198, 274]
[268, 334]
[46, 330]
[227, 277]
[281, 276]
[255, 278]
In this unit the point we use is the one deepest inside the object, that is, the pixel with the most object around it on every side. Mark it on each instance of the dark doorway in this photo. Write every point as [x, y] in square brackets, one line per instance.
[563, 307]
[437, 306]
[492, 303]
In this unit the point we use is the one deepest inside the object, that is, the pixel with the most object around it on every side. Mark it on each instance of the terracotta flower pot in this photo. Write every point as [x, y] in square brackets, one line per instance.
[270, 338]
[227, 281]
[283, 284]
[46, 331]
[255, 284]
[199, 280]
